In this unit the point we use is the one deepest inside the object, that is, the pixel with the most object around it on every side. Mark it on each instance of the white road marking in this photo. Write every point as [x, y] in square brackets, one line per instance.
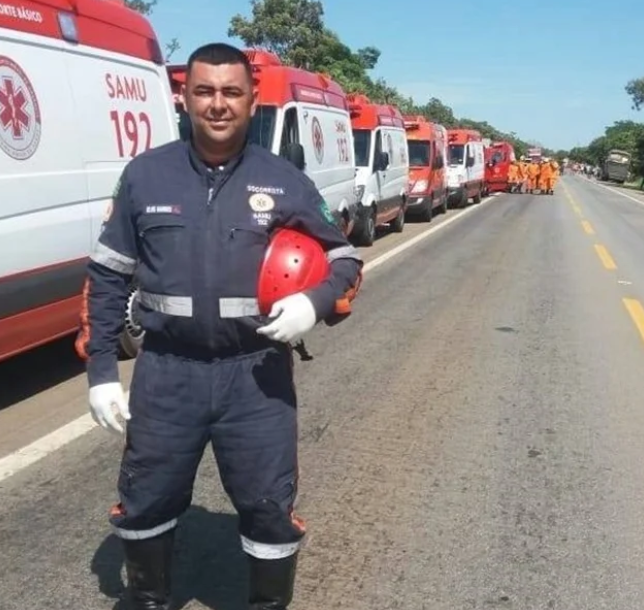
[612, 190]
[383, 258]
[44, 446]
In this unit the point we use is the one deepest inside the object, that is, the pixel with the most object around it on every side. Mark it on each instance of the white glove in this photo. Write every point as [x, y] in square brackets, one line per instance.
[295, 316]
[104, 400]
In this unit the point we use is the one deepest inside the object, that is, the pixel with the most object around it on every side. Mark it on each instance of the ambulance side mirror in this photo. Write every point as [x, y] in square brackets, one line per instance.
[295, 154]
[470, 162]
[383, 162]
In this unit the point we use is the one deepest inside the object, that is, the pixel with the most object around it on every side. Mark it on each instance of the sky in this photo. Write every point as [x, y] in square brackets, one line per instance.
[553, 71]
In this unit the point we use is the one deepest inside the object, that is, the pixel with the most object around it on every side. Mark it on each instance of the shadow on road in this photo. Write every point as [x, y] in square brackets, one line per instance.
[209, 565]
[38, 370]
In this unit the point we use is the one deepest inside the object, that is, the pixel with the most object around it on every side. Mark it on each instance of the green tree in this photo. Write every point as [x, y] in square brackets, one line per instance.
[369, 57]
[635, 88]
[295, 31]
[292, 29]
[146, 8]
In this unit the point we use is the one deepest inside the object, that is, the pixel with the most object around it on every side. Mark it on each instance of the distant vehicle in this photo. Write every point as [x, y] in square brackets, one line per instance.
[535, 155]
[616, 166]
[382, 167]
[466, 171]
[498, 157]
[427, 146]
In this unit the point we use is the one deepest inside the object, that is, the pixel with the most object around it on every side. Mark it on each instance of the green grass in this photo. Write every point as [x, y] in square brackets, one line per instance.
[633, 184]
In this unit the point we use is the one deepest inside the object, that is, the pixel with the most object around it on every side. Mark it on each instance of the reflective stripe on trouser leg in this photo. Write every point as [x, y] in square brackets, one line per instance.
[255, 443]
[170, 404]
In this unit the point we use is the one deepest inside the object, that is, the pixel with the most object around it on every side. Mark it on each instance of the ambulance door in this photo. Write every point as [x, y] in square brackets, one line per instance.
[290, 144]
[325, 135]
[391, 178]
[44, 217]
[379, 175]
[124, 107]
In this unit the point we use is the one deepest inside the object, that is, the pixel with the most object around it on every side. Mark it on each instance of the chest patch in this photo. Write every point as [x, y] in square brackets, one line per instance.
[261, 202]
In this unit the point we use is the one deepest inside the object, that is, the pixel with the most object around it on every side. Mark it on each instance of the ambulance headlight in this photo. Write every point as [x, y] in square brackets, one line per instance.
[420, 186]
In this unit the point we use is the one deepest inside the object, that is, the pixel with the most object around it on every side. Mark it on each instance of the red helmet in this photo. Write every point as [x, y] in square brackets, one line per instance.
[293, 262]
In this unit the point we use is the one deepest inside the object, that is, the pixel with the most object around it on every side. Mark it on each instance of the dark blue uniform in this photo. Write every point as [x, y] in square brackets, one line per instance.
[194, 238]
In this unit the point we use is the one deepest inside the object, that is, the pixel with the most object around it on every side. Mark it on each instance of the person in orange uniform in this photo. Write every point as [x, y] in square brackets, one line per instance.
[546, 177]
[556, 172]
[533, 176]
[513, 176]
[523, 174]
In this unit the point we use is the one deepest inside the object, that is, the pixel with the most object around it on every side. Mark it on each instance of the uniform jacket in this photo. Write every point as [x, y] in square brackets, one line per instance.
[193, 238]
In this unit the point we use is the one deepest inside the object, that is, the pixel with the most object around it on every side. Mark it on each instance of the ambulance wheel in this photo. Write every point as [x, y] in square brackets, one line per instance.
[131, 338]
[442, 208]
[364, 233]
[398, 224]
[427, 212]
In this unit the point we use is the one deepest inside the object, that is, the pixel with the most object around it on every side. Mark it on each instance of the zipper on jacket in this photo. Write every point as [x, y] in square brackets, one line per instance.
[208, 248]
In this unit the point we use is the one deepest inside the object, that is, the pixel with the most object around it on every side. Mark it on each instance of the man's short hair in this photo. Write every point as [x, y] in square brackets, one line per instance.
[218, 53]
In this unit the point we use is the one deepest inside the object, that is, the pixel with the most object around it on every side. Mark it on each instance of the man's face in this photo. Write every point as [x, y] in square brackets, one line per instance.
[220, 102]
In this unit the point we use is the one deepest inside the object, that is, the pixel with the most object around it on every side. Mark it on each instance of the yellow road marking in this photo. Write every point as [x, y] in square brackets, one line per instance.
[635, 309]
[572, 201]
[588, 228]
[605, 257]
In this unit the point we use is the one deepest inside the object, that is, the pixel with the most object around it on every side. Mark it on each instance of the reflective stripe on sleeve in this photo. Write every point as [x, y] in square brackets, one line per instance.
[169, 305]
[113, 260]
[343, 252]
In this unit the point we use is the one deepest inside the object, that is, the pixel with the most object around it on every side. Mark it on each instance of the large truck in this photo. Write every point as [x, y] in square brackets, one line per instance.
[616, 166]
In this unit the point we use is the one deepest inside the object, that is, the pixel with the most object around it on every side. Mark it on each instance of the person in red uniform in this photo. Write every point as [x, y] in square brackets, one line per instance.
[190, 223]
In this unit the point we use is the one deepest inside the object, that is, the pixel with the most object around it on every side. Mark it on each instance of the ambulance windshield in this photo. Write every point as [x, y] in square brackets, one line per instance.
[362, 146]
[418, 153]
[497, 157]
[262, 126]
[456, 154]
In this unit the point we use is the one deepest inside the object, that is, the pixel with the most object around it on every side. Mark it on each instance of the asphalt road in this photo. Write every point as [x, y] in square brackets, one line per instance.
[472, 438]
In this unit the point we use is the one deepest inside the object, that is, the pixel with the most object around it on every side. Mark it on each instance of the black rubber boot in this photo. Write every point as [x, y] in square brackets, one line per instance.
[148, 564]
[271, 583]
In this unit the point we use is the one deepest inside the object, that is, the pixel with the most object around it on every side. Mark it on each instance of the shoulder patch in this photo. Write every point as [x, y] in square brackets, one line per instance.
[326, 212]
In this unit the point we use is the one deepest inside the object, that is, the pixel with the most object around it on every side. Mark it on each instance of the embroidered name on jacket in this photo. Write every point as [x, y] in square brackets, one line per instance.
[267, 190]
[163, 209]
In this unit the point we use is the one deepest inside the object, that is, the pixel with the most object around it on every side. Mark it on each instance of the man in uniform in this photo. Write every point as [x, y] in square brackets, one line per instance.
[193, 220]
[513, 176]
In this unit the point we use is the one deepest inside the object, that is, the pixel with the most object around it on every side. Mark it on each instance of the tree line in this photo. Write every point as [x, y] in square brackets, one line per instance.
[624, 135]
[295, 31]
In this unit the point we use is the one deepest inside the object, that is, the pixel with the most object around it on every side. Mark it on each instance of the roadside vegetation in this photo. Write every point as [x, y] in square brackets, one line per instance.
[296, 32]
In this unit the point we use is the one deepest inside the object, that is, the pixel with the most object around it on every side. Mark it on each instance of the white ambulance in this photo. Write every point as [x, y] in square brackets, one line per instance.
[304, 117]
[382, 158]
[83, 89]
[466, 169]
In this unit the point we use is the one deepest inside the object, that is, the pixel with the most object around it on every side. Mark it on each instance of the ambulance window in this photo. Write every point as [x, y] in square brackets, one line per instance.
[497, 157]
[290, 133]
[378, 149]
[456, 154]
[419, 153]
[185, 127]
[362, 146]
[262, 126]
